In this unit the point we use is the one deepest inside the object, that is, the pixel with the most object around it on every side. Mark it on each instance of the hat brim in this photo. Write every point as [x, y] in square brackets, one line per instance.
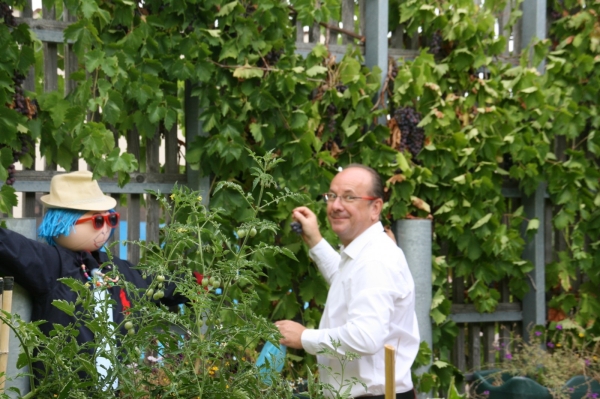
[100, 204]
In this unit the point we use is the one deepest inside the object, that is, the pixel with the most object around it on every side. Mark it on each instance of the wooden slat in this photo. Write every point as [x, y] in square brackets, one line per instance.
[29, 199]
[152, 205]
[70, 57]
[134, 203]
[347, 19]
[458, 350]
[116, 236]
[489, 350]
[474, 362]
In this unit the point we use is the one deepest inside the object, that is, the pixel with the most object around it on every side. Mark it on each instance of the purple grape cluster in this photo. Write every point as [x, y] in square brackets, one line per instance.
[331, 111]
[26, 107]
[296, 227]
[270, 59]
[412, 137]
[11, 175]
[21, 104]
[7, 15]
[436, 46]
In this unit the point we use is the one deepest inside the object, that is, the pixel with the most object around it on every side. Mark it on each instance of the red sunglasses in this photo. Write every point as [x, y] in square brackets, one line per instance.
[112, 219]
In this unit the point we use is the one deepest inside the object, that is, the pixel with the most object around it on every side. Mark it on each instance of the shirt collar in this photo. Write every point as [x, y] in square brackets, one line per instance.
[359, 242]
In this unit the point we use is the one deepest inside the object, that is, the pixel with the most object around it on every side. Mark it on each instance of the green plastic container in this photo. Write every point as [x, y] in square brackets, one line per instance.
[511, 387]
[517, 387]
[581, 386]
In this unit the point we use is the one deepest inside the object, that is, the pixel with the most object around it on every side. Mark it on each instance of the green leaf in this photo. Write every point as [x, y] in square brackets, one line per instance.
[349, 70]
[533, 224]
[256, 131]
[213, 32]
[93, 59]
[315, 70]
[227, 8]
[88, 7]
[67, 307]
[247, 72]
[482, 221]
[8, 199]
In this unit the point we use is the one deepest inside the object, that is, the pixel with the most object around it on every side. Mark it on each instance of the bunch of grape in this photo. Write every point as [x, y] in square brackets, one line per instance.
[436, 44]
[331, 111]
[296, 227]
[270, 59]
[412, 137]
[11, 175]
[26, 107]
[7, 15]
[26, 145]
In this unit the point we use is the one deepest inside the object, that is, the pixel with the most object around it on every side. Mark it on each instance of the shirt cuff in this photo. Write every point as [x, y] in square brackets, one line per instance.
[321, 250]
[310, 341]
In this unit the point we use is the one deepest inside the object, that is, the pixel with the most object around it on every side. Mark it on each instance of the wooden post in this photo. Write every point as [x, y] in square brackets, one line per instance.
[6, 299]
[390, 372]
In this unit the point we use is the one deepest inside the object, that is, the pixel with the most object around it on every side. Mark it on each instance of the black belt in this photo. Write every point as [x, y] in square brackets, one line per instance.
[405, 395]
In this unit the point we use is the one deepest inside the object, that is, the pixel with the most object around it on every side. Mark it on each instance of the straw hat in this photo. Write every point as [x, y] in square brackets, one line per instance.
[77, 190]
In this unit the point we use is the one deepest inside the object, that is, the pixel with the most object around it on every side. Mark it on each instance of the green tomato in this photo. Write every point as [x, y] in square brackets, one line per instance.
[128, 325]
[149, 292]
[216, 284]
[252, 232]
[158, 294]
[242, 233]
[205, 282]
[212, 281]
[160, 278]
[200, 323]
[131, 332]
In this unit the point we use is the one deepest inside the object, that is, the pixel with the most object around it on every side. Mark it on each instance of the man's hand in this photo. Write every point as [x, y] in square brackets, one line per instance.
[310, 227]
[292, 333]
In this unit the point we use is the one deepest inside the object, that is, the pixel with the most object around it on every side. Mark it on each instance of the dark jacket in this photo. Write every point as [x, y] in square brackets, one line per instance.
[37, 267]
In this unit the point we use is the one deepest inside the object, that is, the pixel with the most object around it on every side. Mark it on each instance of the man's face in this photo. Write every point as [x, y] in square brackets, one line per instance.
[349, 220]
[84, 237]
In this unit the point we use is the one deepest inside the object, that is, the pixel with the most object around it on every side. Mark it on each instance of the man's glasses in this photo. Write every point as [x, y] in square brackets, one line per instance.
[346, 199]
[112, 219]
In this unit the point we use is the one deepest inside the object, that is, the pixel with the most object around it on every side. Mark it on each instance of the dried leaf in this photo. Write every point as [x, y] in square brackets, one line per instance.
[420, 204]
[556, 314]
[399, 178]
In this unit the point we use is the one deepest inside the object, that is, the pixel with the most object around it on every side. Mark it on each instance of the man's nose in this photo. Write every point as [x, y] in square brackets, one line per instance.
[336, 203]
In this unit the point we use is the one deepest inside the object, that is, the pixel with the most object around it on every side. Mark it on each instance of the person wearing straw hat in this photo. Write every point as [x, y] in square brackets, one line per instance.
[371, 298]
[78, 222]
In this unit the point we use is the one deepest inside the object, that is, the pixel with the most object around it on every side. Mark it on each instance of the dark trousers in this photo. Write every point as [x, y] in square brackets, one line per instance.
[404, 395]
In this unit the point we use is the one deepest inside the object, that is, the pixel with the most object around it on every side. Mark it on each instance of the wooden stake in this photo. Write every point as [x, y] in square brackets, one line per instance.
[7, 286]
[390, 372]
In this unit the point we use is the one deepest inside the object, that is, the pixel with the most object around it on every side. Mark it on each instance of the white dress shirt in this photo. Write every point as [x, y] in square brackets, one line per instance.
[371, 303]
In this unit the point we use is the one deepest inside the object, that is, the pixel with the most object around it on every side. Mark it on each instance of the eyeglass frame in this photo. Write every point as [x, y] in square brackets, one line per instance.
[346, 199]
[105, 220]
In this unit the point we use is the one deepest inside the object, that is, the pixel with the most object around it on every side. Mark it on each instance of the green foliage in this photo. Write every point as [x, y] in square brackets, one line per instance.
[488, 123]
[206, 348]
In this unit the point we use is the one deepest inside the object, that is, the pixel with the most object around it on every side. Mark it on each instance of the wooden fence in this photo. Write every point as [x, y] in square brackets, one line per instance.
[478, 332]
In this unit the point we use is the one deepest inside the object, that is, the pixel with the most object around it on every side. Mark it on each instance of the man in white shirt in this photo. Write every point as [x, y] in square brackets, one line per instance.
[371, 299]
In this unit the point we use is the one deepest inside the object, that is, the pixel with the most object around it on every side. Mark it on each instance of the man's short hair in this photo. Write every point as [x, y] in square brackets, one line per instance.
[376, 183]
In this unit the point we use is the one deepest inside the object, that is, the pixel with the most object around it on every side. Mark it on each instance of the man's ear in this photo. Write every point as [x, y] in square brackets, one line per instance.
[376, 207]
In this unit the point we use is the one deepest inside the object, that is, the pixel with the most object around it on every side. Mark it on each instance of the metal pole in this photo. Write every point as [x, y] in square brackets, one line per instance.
[414, 238]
